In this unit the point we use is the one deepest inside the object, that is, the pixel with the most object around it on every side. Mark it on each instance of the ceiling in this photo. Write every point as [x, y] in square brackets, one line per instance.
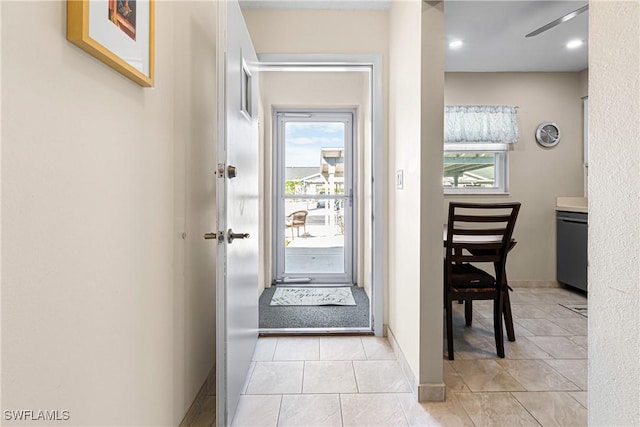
[492, 32]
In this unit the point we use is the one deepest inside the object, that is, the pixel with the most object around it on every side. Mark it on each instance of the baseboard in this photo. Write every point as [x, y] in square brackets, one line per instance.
[207, 389]
[534, 284]
[422, 392]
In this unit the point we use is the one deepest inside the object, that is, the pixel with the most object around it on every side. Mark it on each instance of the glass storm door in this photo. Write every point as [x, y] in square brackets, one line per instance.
[315, 197]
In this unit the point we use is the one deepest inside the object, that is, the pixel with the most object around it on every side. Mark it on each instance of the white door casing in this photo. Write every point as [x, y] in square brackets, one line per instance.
[237, 201]
[374, 62]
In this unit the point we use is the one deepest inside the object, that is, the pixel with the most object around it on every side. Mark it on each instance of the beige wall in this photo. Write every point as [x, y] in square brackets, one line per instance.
[584, 82]
[295, 89]
[106, 311]
[536, 175]
[432, 134]
[614, 209]
[317, 31]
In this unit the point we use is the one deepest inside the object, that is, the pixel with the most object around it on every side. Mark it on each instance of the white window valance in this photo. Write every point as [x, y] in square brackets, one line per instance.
[480, 124]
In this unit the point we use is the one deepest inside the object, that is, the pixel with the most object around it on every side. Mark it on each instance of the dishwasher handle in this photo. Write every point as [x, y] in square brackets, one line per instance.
[574, 220]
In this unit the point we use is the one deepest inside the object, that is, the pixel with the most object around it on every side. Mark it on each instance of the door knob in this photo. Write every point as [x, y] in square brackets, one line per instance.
[231, 236]
[231, 172]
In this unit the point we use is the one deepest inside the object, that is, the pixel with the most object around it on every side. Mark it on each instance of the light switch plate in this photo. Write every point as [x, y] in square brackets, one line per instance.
[400, 179]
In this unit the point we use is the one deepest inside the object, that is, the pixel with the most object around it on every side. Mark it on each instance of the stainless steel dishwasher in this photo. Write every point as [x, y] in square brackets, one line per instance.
[571, 248]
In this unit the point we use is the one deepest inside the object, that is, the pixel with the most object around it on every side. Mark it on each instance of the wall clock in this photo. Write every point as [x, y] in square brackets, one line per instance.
[548, 134]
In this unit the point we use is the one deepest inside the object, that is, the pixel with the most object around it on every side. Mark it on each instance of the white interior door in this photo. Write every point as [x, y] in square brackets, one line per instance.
[237, 196]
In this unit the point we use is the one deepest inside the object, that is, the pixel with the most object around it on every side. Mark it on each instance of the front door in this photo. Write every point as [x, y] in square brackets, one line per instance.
[315, 196]
[237, 198]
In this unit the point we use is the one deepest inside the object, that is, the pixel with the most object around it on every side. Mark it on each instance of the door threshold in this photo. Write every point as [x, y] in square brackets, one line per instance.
[314, 331]
[313, 285]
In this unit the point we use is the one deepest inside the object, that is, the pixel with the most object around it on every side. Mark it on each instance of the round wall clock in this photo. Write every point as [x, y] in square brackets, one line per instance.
[548, 134]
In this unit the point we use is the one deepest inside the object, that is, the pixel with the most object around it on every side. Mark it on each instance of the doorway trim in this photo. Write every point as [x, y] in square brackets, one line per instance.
[273, 62]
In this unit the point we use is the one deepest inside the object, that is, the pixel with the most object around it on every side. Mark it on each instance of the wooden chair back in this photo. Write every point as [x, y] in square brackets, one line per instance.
[479, 233]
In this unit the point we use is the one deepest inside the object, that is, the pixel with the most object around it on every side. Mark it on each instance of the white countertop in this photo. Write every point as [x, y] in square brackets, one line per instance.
[572, 204]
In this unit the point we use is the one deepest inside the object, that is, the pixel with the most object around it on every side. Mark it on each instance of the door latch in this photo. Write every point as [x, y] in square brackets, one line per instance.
[231, 236]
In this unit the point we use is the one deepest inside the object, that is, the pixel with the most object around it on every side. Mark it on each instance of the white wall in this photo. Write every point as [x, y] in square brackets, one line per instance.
[106, 311]
[536, 175]
[304, 89]
[404, 154]
[614, 209]
[416, 59]
[195, 135]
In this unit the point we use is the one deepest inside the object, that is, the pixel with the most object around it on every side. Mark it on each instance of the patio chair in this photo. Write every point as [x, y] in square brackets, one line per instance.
[296, 220]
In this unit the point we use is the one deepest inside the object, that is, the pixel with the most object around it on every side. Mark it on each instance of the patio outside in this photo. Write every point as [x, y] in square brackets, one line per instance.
[321, 248]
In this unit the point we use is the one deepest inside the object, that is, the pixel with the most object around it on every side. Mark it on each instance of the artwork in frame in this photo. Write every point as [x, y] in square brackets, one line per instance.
[120, 33]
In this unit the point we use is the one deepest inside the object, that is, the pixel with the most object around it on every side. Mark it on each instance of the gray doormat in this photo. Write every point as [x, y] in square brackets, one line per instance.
[318, 316]
[313, 296]
[581, 309]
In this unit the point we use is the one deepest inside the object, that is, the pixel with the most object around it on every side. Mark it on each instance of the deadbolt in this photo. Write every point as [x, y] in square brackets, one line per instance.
[231, 171]
[231, 236]
[219, 236]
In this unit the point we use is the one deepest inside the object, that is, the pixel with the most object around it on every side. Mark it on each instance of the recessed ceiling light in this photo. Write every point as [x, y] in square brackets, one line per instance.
[573, 44]
[456, 44]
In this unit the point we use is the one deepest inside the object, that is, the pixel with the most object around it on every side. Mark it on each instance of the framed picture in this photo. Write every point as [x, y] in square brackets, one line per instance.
[119, 33]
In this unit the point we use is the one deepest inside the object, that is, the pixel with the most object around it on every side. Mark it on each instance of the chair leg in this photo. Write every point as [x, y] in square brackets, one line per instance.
[450, 327]
[468, 311]
[497, 324]
[508, 319]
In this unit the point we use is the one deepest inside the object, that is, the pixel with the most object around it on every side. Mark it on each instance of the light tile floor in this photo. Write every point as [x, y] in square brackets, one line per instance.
[356, 381]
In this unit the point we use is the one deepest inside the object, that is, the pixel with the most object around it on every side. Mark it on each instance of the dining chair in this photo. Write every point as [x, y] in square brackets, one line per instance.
[478, 233]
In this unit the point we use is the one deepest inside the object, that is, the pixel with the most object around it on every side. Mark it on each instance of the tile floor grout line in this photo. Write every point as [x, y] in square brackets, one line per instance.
[341, 414]
[574, 398]
[406, 417]
[564, 376]
[355, 377]
[279, 410]
[525, 408]
[304, 367]
[244, 391]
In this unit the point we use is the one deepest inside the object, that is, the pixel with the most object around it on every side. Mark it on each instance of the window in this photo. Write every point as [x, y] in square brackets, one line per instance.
[476, 149]
[245, 91]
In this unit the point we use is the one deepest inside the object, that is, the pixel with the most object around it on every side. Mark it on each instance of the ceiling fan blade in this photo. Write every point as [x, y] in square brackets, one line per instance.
[559, 21]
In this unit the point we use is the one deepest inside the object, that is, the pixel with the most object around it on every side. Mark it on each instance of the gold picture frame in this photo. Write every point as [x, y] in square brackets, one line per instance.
[112, 30]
